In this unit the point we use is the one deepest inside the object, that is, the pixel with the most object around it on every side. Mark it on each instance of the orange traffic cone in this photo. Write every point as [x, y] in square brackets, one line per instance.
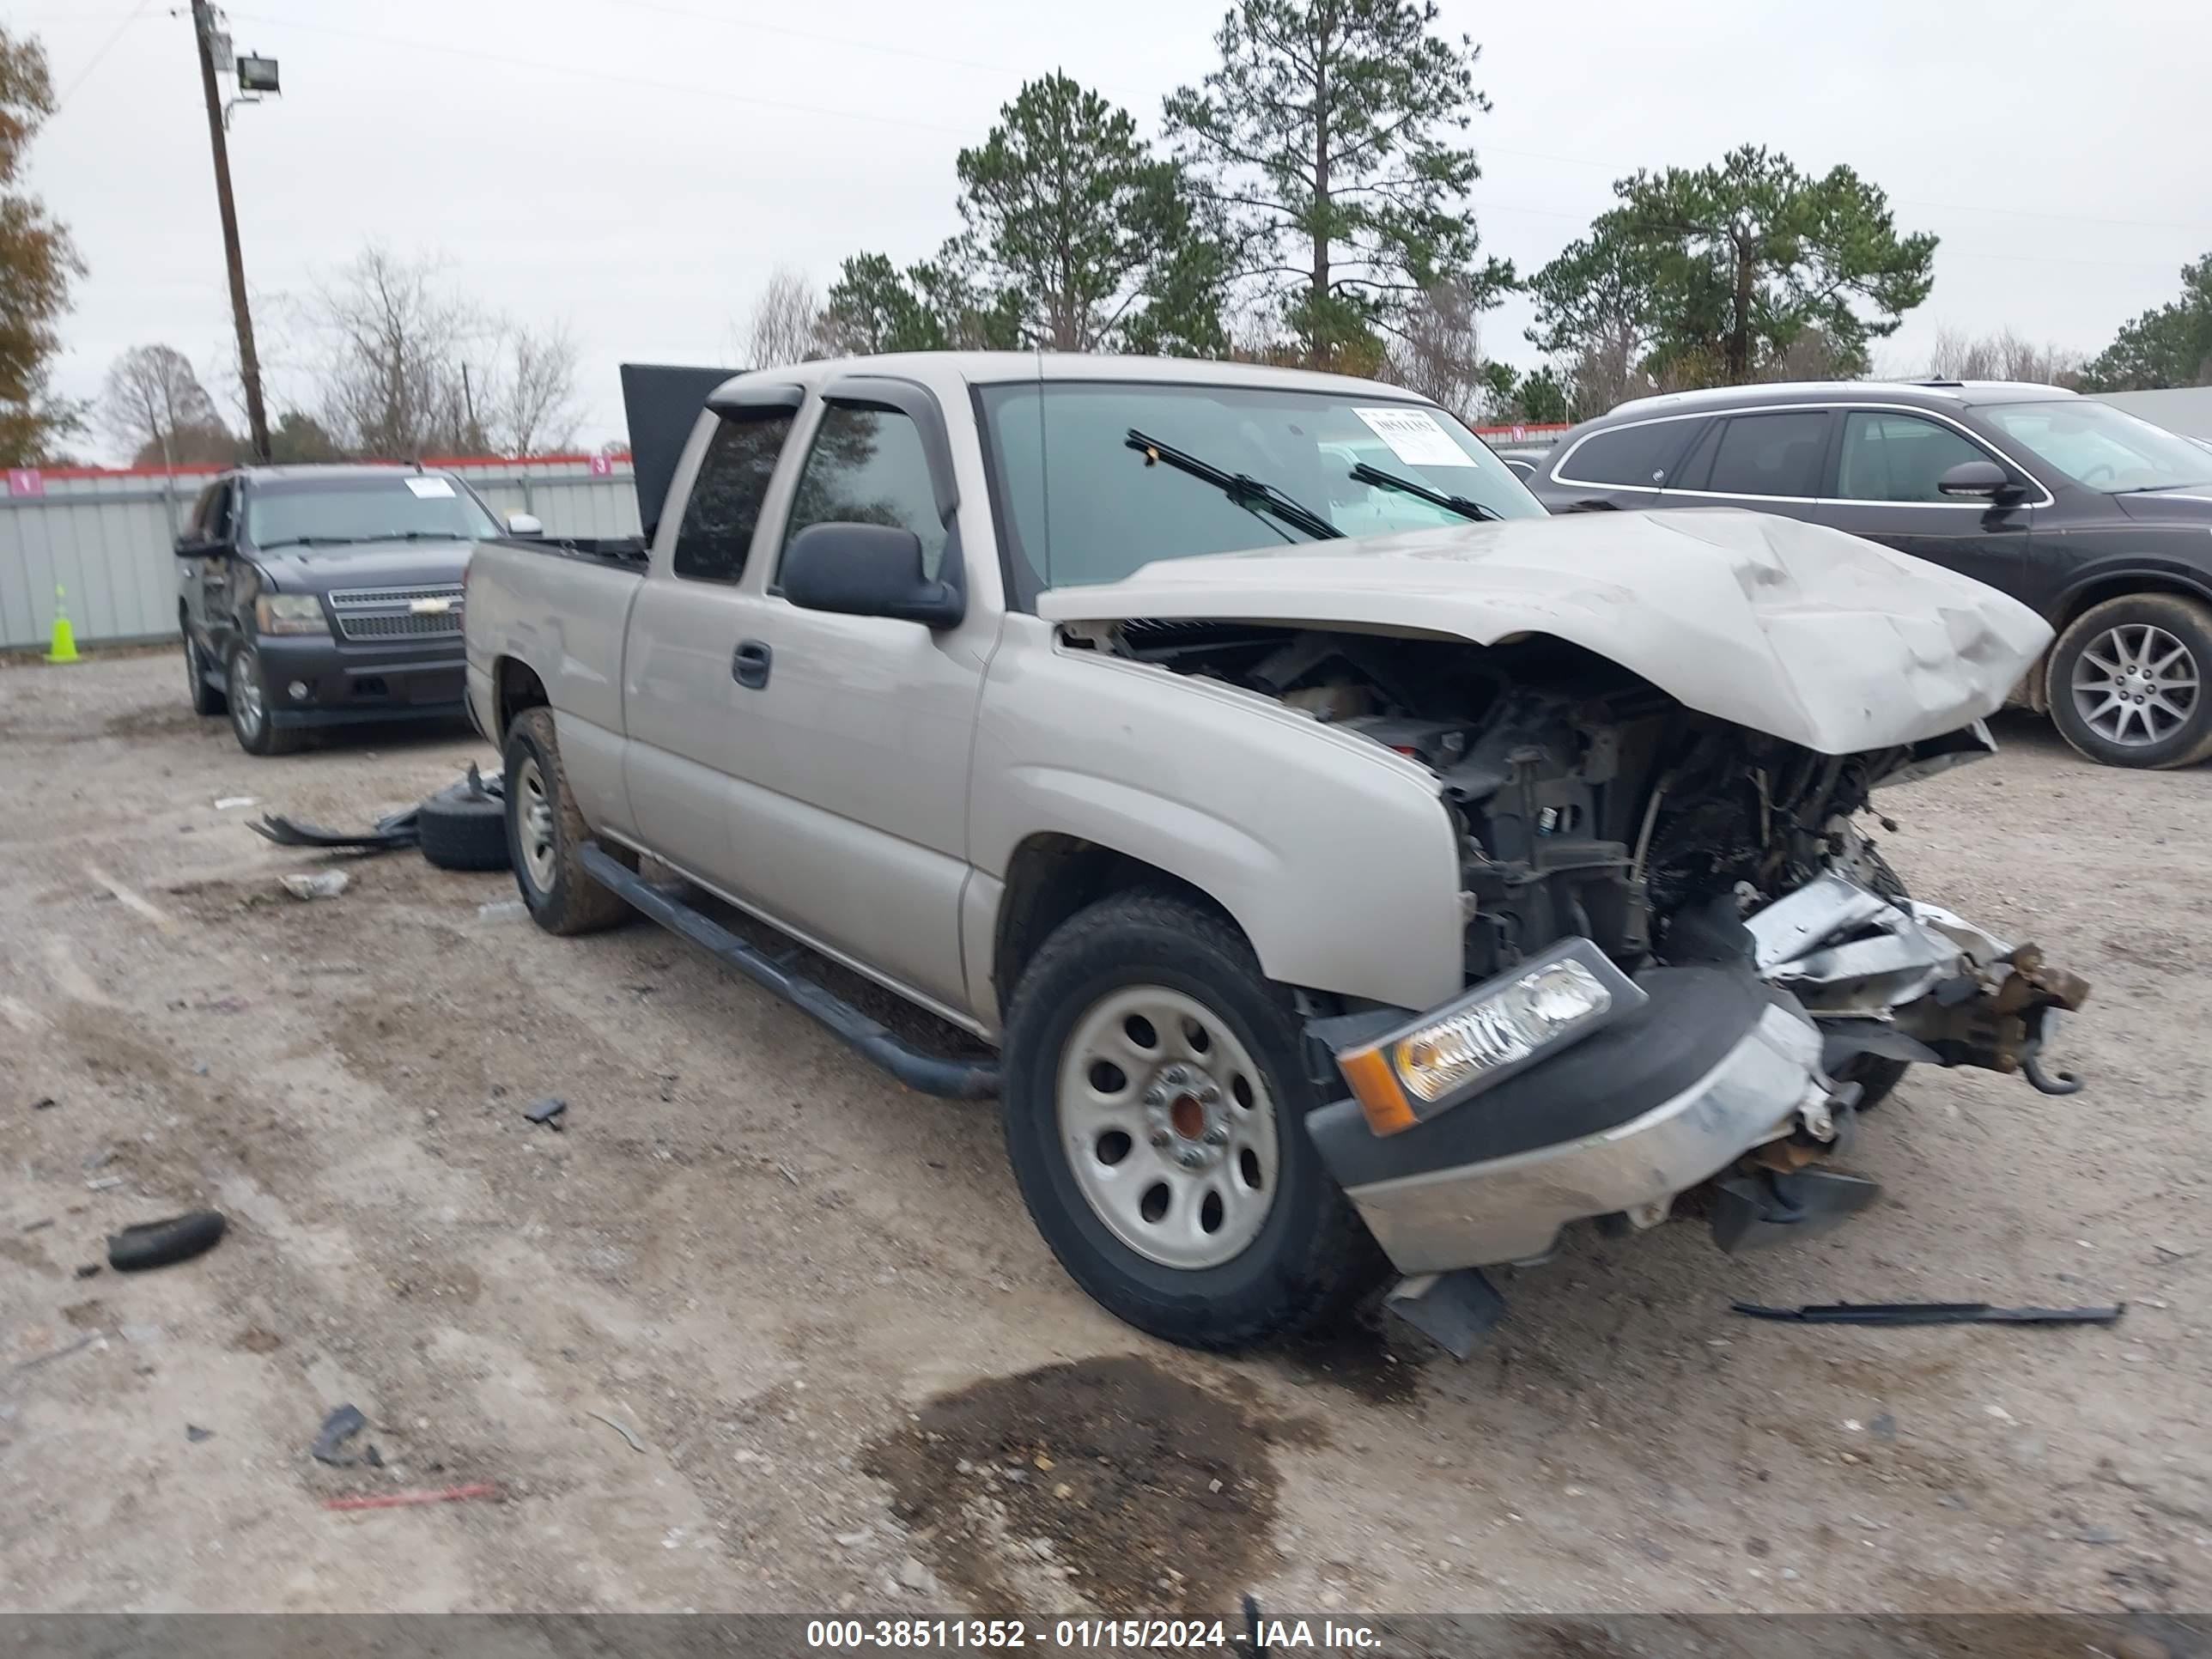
[64, 645]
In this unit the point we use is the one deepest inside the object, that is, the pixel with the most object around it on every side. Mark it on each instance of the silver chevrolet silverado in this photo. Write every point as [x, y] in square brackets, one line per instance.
[1333, 863]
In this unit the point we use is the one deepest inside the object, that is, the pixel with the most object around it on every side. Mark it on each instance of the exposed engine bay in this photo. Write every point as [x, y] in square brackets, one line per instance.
[1589, 803]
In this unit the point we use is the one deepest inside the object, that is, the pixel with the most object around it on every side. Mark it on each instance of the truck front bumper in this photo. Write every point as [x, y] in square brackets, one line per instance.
[1728, 1066]
[317, 680]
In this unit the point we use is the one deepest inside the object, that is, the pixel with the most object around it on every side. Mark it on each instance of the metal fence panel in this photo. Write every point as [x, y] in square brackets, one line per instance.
[104, 540]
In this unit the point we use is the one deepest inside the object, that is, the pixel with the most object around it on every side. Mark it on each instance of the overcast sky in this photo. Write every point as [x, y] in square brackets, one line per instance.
[637, 168]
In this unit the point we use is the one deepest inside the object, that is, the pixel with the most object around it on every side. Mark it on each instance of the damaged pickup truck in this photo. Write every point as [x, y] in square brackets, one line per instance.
[1351, 868]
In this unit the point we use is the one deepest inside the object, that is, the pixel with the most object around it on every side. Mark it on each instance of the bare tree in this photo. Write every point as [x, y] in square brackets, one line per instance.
[786, 322]
[395, 340]
[1439, 351]
[2003, 355]
[530, 406]
[153, 404]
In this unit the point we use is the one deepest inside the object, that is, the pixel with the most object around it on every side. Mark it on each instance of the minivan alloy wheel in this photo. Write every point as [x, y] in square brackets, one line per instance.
[1168, 1127]
[2134, 685]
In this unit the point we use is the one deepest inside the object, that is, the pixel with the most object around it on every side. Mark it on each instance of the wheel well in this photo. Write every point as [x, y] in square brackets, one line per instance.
[516, 689]
[2115, 587]
[1051, 878]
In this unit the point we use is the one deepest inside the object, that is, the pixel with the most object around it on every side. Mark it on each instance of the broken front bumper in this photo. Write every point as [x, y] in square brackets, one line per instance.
[1728, 1066]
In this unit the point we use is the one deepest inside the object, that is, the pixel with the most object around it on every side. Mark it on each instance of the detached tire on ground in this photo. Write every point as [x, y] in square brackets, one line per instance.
[2126, 682]
[1155, 1109]
[463, 828]
[545, 835]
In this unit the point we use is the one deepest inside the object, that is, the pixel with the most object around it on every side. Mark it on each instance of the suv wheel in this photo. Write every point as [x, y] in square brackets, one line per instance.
[245, 688]
[2125, 683]
[1155, 1115]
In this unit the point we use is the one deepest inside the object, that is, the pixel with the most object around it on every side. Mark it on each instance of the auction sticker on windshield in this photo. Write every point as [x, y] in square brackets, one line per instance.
[431, 489]
[1415, 436]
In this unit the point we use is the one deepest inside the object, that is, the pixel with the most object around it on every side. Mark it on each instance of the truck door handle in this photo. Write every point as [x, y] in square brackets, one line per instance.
[748, 666]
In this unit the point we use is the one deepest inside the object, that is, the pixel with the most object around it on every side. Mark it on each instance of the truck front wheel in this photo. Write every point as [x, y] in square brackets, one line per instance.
[545, 833]
[1155, 1116]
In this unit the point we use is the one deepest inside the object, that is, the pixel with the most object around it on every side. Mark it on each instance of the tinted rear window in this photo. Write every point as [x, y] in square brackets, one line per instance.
[1775, 454]
[1634, 457]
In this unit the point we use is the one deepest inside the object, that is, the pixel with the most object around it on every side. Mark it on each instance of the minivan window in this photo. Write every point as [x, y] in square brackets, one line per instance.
[1084, 507]
[1631, 457]
[1897, 457]
[868, 466]
[2101, 447]
[724, 506]
[1777, 455]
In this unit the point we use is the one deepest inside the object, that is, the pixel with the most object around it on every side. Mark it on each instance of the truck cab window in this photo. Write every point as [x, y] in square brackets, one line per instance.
[868, 466]
[725, 504]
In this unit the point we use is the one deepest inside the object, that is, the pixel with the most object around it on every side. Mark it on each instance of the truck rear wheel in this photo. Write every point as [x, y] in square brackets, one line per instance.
[1155, 1115]
[545, 835]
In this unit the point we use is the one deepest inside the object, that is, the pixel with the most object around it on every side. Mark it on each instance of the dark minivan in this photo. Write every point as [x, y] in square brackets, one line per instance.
[2101, 521]
[315, 596]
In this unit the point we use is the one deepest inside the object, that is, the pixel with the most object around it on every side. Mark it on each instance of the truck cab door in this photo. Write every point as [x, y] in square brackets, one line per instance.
[851, 734]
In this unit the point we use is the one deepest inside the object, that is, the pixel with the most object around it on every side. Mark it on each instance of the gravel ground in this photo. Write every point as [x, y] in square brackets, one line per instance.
[759, 1330]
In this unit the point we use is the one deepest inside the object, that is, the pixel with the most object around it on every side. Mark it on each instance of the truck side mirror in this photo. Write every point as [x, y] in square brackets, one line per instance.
[524, 524]
[867, 570]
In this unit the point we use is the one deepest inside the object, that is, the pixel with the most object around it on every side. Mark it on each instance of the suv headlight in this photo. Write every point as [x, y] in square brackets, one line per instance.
[289, 613]
[1502, 1026]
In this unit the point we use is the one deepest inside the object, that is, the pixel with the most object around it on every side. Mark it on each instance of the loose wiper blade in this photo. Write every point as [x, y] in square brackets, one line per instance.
[1459, 504]
[1241, 488]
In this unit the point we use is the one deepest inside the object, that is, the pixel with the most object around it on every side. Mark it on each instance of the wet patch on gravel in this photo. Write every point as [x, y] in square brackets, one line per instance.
[1140, 1491]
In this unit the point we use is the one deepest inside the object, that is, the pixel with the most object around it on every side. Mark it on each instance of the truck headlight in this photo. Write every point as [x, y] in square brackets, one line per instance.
[289, 613]
[1502, 1026]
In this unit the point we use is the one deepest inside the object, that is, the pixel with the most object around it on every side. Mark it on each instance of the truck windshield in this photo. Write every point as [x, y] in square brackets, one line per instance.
[405, 507]
[1083, 509]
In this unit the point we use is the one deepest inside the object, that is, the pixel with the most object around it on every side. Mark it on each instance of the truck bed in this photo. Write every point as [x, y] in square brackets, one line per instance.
[623, 552]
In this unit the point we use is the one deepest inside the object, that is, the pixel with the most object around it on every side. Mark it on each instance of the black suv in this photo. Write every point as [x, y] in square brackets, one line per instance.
[2101, 521]
[320, 595]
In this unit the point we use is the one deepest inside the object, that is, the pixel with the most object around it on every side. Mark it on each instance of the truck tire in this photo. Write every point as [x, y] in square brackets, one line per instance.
[1155, 1106]
[252, 716]
[206, 700]
[463, 827]
[545, 835]
[2126, 682]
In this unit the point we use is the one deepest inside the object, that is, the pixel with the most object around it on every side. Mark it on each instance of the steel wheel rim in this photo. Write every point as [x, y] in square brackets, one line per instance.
[1173, 1145]
[534, 824]
[245, 695]
[2134, 685]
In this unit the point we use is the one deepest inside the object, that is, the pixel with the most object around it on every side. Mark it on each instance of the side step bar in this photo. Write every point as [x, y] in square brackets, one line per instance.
[930, 1075]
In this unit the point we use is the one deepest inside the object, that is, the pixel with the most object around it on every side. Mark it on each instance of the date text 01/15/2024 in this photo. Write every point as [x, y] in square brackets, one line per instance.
[1084, 1635]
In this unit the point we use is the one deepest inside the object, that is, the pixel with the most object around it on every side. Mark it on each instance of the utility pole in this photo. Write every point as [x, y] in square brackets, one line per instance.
[249, 362]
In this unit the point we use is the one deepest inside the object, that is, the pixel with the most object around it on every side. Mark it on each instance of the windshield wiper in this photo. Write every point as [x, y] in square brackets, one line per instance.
[1459, 504]
[411, 536]
[1241, 488]
[306, 541]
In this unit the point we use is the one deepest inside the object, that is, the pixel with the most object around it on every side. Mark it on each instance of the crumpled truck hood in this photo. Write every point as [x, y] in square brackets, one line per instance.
[1795, 629]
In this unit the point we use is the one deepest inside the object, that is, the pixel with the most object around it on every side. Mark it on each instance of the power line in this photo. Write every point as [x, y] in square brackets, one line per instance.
[106, 46]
